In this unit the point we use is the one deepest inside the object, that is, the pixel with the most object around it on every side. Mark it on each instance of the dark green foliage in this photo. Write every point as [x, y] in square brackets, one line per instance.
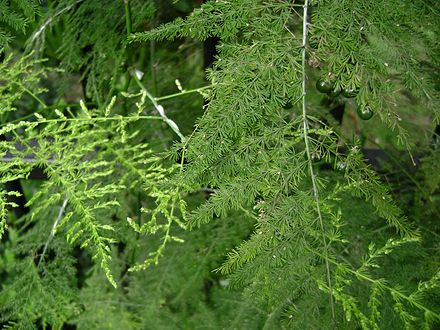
[255, 211]
[90, 44]
[15, 16]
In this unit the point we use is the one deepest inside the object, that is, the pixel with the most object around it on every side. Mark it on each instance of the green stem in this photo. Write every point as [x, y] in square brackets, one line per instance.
[54, 106]
[129, 28]
[128, 23]
[309, 158]
[159, 108]
[184, 92]
[52, 231]
[380, 283]
[152, 65]
[35, 97]
[94, 119]
[98, 119]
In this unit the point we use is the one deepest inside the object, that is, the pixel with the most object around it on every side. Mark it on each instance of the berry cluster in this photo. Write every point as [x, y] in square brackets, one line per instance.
[327, 86]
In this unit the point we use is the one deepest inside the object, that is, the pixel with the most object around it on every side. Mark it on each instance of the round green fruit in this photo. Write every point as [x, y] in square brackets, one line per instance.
[350, 92]
[365, 112]
[324, 85]
[288, 104]
[335, 92]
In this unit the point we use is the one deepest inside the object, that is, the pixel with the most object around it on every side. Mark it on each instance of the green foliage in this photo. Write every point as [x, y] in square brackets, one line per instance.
[380, 48]
[16, 15]
[255, 211]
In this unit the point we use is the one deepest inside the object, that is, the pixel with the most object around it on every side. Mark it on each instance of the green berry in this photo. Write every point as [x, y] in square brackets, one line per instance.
[335, 92]
[324, 85]
[288, 104]
[365, 112]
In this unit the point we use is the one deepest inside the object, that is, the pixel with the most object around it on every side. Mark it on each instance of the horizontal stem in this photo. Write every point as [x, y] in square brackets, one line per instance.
[58, 120]
[182, 93]
[99, 119]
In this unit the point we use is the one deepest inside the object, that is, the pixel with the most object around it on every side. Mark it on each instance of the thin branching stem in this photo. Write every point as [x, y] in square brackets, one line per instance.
[49, 107]
[128, 17]
[52, 231]
[92, 119]
[128, 53]
[35, 97]
[184, 92]
[309, 158]
[159, 108]
[363, 275]
[153, 65]
[49, 21]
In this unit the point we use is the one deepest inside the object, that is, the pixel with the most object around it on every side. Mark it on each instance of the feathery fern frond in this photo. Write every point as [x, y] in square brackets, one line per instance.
[16, 15]
[93, 46]
[251, 149]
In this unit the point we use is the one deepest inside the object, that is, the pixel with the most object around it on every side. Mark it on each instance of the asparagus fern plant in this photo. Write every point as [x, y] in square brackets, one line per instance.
[232, 199]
